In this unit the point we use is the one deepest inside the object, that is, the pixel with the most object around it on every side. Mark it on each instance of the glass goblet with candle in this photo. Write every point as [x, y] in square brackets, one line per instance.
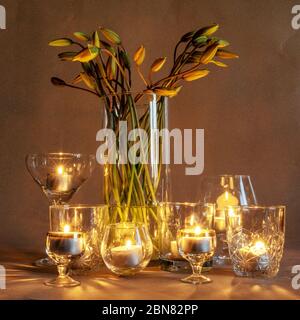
[65, 243]
[197, 246]
[60, 175]
[126, 248]
[226, 190]
[90, 219]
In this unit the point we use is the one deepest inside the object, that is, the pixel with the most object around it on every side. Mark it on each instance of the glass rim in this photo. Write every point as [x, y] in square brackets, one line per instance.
[227, 175]
[279, 206]
[188, 204]
[78, 205]
[132, 206]
[60, 155]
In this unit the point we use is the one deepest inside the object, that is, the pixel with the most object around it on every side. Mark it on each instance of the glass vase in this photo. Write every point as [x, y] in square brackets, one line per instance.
[136, 171]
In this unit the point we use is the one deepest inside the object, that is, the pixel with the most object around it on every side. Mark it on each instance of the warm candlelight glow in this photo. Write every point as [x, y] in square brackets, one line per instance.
[259, 248]
[67, 228]
[60, 170]
[192, 220]
[231, 212]
[128, 243]
[197, 230]
[227, 199]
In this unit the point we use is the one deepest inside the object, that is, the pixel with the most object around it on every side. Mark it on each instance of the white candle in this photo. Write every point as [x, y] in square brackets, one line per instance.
[195, 245]
[65, 243]
[197, 242]
[127, 256]
[254, 256]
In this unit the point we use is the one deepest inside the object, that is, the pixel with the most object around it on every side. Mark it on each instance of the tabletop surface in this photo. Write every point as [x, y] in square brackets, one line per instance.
[25, 281]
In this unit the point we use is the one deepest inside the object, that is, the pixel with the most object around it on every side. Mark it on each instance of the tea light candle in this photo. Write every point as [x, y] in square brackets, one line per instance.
[66, 243]
[62, 179]
[254, 256]
[127, 256]
[198, 242]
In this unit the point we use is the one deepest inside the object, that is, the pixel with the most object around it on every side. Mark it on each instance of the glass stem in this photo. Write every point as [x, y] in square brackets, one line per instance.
[63, 270]
[197, 267]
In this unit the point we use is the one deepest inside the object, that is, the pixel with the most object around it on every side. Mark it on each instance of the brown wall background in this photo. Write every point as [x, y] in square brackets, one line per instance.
[250, 112]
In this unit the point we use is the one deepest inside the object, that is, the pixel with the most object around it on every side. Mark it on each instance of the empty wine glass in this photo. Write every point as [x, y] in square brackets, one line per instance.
[226, 190]
[59, 175]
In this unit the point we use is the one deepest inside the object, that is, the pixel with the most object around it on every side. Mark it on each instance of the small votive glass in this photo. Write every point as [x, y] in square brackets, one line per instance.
[126, 248]
[197, 246]
[255, 236]
[64, 244]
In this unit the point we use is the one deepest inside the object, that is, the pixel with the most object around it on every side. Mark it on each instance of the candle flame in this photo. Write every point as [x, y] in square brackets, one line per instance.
[128, 243]
[259, 248]
[259, 245]
[231, 212]
[60, 169]
[197, 230]
[67, 228]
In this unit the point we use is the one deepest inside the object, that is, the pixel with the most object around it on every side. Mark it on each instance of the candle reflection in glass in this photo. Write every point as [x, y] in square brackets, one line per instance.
[62, 179]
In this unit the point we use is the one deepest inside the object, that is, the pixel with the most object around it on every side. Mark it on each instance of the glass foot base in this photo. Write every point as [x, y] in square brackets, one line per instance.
[199, 279]
[44, 262]
[62, 282]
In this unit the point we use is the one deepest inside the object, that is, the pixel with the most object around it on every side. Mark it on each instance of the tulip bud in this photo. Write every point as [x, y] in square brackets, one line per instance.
[194, 75]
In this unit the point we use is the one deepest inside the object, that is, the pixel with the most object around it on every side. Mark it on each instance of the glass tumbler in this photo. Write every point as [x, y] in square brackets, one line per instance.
[255, 236]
